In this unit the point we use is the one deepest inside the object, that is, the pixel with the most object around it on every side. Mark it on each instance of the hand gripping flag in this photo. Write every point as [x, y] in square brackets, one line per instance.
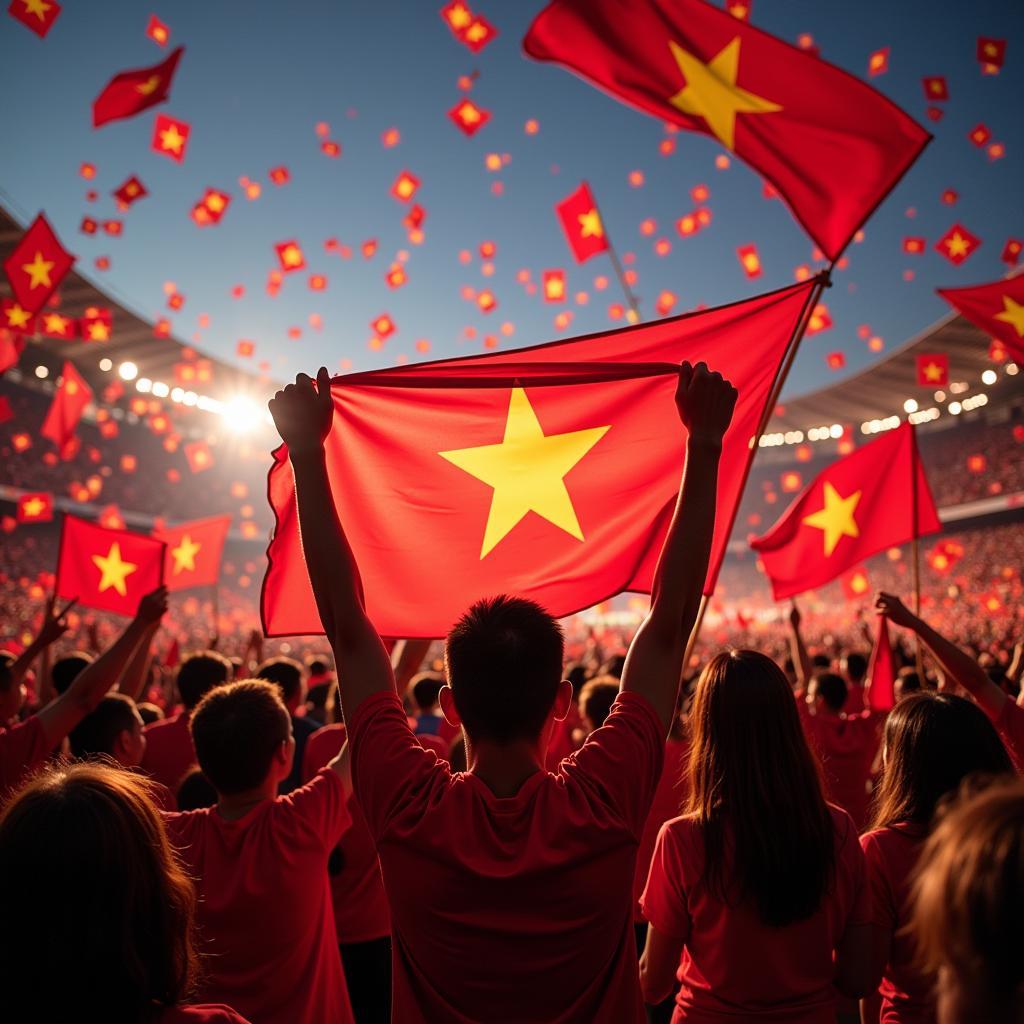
[549, 472]
[997, 308]
[131, 92]
[854, 509]
[193, 552]
[832, 146]
[110, 570]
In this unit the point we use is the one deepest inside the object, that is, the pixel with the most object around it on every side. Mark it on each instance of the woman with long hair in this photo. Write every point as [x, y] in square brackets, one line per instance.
[97, 910]
[757, 897]
[933, 741]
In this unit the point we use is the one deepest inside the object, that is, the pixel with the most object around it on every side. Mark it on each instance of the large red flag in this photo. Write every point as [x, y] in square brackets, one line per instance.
[130, 92]
[110, 570]
[582, 224]
[193, 552]
[852, 510]
[997, 308]
[832, 146]
[72, 396]
[550, 472]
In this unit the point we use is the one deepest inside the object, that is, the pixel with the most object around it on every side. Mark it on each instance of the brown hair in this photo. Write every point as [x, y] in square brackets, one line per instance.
[933, 741]
[597, 697]
[106, 934]
[754, 780]
[968, 913]
[237, 729]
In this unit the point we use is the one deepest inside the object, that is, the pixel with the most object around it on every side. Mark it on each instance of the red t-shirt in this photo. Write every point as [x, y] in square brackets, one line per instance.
[169, 750]
[360, 904]
[854, 703]
[1009, 724]
[892, 853]
[207, 1013]
[846, 747]
[264, 915]
[668, 803]
[22, 748]
[734, 967]
[518, 908]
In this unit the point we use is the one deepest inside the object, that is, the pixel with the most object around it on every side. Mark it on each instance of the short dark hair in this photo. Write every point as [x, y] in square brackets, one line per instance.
[98, 731]
[597, 698]
[317, 667]
[832, 689]
[195, 791]
[199, 673]
[67, 669]
[237, 729]
[286, 672]
[856, 665]
[504, 661]
[424, 689]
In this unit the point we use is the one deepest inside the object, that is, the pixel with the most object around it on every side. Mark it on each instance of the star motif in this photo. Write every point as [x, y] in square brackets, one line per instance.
[17, 317]
[933, 372]
[1012, 314]
[113, 570]
[185, 555]
[149, 86]
[712, 93]
[171, 139]
[98, 331]
[590, 224]
[291, 257]
[55, 323]
[835, 518]
[459, 17]
[37, 7]
[527, 471]
[957, 244]
[39, 271]
[33, 507]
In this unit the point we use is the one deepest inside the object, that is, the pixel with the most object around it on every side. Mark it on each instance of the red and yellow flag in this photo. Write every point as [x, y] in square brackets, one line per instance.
[933, 370]
[194, 552]
[110, 570]
[997, 308]
[36, 266]
[72, 396]
[131, 92]
[581, 222]
[831, 145]
[549, 472]
[37, 15]
[35, 507]
[854, 509]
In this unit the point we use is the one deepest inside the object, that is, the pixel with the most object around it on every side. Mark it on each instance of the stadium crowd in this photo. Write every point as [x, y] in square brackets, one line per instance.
[527, 823]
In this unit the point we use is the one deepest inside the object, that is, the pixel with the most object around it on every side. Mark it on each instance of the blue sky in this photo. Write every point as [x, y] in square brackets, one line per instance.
[257, 77]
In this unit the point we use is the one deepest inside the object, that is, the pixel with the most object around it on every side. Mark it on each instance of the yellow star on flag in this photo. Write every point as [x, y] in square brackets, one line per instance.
[712, 93]
[39, 272]
[149, 86]
[957, 244]
[55, 323]
[933, 372]
[113, 570]
[185, 555]
[37, 7]
[172, 139]
[835, 518]
[527, 471]
[33, 507]
[590, 224]
[98, 331]
[1012, 314]
[17, 317]
[459, 17]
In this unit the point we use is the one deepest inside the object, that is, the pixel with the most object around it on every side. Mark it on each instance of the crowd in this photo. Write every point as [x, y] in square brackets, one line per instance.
[536, 827]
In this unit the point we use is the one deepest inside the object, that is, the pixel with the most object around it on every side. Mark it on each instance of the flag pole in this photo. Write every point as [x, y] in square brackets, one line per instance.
[215, 610]
[915, 553]
[619, 272]
[823, 280]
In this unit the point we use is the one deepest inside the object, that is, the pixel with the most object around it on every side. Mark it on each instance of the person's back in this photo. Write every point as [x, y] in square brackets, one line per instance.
[260, 863]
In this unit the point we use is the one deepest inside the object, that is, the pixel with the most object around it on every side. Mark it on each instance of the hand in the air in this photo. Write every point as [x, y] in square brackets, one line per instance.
[303, 414]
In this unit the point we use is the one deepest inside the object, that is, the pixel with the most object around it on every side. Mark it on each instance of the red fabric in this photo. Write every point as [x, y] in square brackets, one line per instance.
[22, 748]
[69, 402]
[38, 18]
[37, 265]
[668, 802]
[833, 150]
[875, 485]
[170, 752]
[1010, 726]
[881, 688]
[490, 895]
[111, 570]
[360, 904]
[207, 1013]
[563, 742]
[130, 92]
[194, 551]
[416, 521]
[846, 746]
[264, 911]
[933, 370]
[582, 224]
[733, 966]
[892, 853]
[984, 304]
[11, 347]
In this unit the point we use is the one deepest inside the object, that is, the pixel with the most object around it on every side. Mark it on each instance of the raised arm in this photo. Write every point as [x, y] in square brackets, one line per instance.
[55, 625]
[705, 404]
[798, 649]
[60, 716]
[303, 418]
[133, 678]
[957, 665]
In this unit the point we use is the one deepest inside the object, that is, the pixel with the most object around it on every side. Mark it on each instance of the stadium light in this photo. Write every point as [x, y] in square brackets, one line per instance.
[954, 408]
[910, 405]
[128, 371]
[989, 377]
[106, 365]
[241, 414]
[42, 372]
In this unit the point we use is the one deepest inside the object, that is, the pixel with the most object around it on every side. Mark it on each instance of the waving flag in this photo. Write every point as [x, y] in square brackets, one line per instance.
[194, 551]
[131, 92]
[550, 472]
[997, 308]
[881, 686]
[36, 266]
[831, 145]
[66, 409]
[854, 509]
[581, 222]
